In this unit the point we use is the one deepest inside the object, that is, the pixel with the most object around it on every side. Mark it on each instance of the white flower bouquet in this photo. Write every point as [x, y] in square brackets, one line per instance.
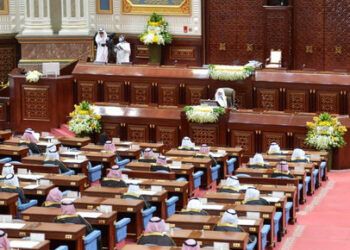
[33, 76]
[203, 114]
[232, 73]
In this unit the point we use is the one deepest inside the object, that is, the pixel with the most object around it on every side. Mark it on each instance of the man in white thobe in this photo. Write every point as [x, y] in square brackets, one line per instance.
[102, 48]
[123, 50]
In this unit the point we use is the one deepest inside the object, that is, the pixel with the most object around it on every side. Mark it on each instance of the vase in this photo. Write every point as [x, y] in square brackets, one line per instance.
[155, 53]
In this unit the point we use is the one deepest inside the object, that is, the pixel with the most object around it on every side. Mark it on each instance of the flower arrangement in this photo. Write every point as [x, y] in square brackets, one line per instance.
[232, 73]
[33, 76]
[325, 132]
[156, 31]
[203, 114]
[84, 120]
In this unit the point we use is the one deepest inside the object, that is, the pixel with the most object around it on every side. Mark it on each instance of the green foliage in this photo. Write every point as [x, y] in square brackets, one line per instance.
[187, 108]
[84, 105]
[219, 110]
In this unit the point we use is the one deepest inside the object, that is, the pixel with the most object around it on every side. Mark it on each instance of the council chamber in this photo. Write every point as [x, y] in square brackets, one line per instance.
[174, 124]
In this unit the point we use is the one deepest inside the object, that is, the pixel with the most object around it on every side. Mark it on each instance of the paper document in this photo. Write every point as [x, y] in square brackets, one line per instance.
[73, 161]
[89, 214]
[147, 192]
[122, 149]
[30, 187]
[23, 244]
[11, 225]
[271, 199]
[135, 182]
[246, 222]
[212, 207]
[32, 177]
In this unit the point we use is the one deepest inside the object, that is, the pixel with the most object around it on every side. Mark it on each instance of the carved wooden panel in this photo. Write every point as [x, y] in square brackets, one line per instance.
[242, 99]
[328, 101]
[269, 137]
[141, 93]
[112, 130]
[268, 99]
[8, 58]
[87, 91]
[297, 100]
[299, 141]
[183, 53]
[141, 52]
[337, 39]
[204, 134]
[113, 92]
[168, 135]
[244, 139]
[35, 103]
[138, 133]
[3, 112]
[168, 94]
[309, 34]
[195, 93]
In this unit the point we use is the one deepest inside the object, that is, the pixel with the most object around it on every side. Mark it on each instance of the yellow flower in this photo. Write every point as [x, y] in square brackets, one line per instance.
[155, 39]
[315, 119]
[323, 132]
[342, 129]
[334, 121]
[310, 125]
[83, 112]
[324, 123]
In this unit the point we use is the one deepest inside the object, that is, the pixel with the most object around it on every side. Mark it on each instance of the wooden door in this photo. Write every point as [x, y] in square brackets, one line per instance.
[328, 101]
[113, 91]
[297, 100]
[168, 135]
[267, 99]
[168, 94]
[87, 91]
[141, 93]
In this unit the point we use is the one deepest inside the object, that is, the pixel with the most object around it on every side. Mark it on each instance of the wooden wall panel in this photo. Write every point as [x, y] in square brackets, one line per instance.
[141, 93]
[204, 134]
[268, 99]
[297, 100]
[114, 91]
[270, 137]
[168, 135]
[35, 103]
[87, 91]
[244, 139]
[138, 133]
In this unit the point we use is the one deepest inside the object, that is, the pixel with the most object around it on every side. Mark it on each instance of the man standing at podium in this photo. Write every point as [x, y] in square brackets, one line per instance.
[102, 48]
[123, 50]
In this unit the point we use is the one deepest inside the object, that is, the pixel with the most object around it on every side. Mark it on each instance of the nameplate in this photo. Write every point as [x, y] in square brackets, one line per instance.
[68, 236]
[105, 208]
[2, 202]
[117, 196]
[26, 217]
[37, 237]
[79, 143]
[252, 229]
[253, 215]
[266, 216]
[206, 227]
[221, 246]
[177, 189]
[130, 209]
[39, 192]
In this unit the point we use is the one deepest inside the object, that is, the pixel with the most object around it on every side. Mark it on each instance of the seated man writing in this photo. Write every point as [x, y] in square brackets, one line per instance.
[160, 165]
[148, 156]
[114, 178]
[194, 207]
[134, 193]
[231, 185]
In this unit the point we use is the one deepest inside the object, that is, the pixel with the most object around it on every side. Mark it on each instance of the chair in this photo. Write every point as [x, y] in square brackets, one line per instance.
[264, 232]
[251, 245]
[171, 205]
[197, 179]
[243, 175]
[316, 171]
[90, 240]
[323, 167]
[230, 96]
[62, 248]
[70, 172]
[147, 215]
[275, 59]
[307, 182]
[277, 220]
[6, 160]
[121, 229]
[95, 172]
[24, 206]
[231, 165]
[289, 206]
[122, 163]
[215, 172]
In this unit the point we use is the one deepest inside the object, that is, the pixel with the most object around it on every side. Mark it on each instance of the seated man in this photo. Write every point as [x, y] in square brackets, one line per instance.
[155, 234]
[274, 149]
[257, 162]
[221, 98]
[69, 216]
[53, 199]
[109, 146]
[11, 185]
[148, 156]
[102, 139]
[114, 178]
[4, 242]
[229, 223]
[298, 155]
[204, 152]
[134, 193]
[52, 157]
[252, 197]
[161, 164]
[282, 170]
[7, 169]
[29, 139]
[187, 144]
[231, 186]
[190, 244]
[194, 207]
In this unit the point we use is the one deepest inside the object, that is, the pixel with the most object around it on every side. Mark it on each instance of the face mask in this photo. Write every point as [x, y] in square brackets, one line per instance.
[121, 40]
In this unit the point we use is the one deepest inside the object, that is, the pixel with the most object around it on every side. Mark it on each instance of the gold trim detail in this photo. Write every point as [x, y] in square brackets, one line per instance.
[184, 9]
[5, 11]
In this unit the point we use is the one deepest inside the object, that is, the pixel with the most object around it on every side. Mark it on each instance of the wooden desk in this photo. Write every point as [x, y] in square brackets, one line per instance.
[71, 182]
[78, 166]
[39, 193]
[266, 173]
[121, 151]
[200, 164]
[168, 176]
[74, 141]
[186, 170]
[267, 213]
[70, 234]
[157, 199]
[16, 152]
[191, 153]
[174, 188]
[239, 198]
[143, 247]
[8, 203]
[232, 152]
[34, 168]
[14, 141]
[107, 159]
[43, 245]
[208, 222]
[236, 240]
[5, 134]
[125, 208]
[105, 222]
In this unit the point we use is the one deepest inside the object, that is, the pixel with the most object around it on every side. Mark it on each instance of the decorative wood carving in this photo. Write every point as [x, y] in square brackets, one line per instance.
[141, 52]
[244, 139]
[297, 100]
[87, 91]
[114, 92]
[3, 112]
[183, 53]
[299, 141]
[8, 60]
[268, 99]
[138, 133]
[168, 94]
[168, 135]
[269, 137]
[35, 103]
[328, 101]
[141, 93]
[112, 130]
[195, 93]
[204, 134]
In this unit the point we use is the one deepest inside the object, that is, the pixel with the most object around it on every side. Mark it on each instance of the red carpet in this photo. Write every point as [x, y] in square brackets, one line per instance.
[324, 222]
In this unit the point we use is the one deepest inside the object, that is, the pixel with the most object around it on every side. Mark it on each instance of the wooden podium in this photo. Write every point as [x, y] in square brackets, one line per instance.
[43, 105]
